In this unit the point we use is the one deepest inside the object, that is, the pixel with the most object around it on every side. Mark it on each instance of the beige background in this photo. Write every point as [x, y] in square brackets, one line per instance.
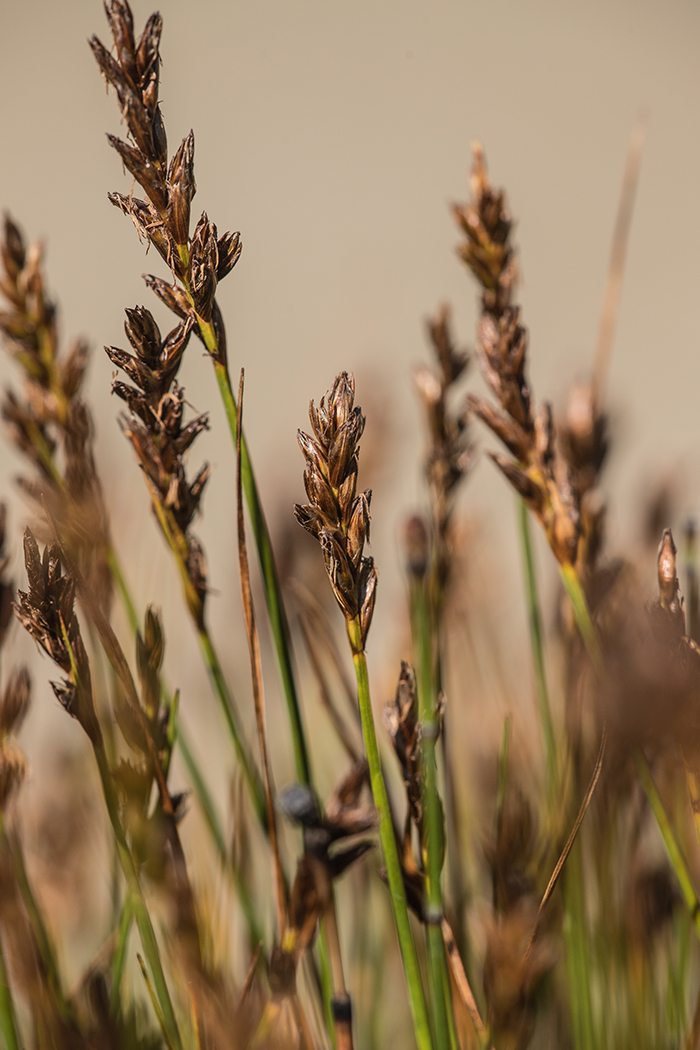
[334, 135]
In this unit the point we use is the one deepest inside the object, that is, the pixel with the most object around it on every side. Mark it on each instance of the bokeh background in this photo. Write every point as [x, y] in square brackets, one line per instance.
[334, 136]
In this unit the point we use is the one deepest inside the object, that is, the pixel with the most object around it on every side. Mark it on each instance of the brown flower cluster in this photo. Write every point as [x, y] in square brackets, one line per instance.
[50, 423]
[336, 514]
[160, 437]
[538, 470]
[163, 218]
[47, 612]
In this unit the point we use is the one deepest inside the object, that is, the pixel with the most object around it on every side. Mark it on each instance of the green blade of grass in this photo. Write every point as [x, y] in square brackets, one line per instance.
[119, 957]
[273, 595]
[537, 645]
[433, 838]
[8, 1020]
[391, 854]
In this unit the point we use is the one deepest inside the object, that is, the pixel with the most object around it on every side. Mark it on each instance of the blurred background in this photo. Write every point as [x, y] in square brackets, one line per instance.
[335, 136]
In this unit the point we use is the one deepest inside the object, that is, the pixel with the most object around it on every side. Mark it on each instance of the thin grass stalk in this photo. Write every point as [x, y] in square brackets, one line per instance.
[256, 675]
[432, 833]
[119, 958]
[216, 675]
[537, 646]
[340, 1003]
[673, 850]
[157, 1010]
[451, 1024]
[279, 625]
[388, 840]
[8, 1019]
[577, 954]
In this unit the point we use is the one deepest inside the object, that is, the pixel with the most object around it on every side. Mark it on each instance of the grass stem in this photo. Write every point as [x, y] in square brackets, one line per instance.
[273, 594]
[389, 847]
[537, 645]
[432, 829]
[8, 1020]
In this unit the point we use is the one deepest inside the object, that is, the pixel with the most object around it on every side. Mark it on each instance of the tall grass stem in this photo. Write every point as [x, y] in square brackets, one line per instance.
[389, 847]
[537, 645]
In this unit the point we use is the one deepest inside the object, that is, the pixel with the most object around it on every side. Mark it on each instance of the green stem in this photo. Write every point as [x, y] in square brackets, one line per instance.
[577, 953]
[673, 849]
[388, 840]
[577, 597]
[432, 830]
[537, 644]
[8, 1021]
[119, 958]
[138, 902]
[226, 702]
[273, 594]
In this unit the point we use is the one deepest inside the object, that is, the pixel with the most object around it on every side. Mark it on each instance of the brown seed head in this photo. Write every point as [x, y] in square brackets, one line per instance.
[335, 515]
[46, 612]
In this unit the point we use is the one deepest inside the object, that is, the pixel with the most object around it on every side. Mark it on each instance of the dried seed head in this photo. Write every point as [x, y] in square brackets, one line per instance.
[46, 612]
[335, 515]
[540, 474]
